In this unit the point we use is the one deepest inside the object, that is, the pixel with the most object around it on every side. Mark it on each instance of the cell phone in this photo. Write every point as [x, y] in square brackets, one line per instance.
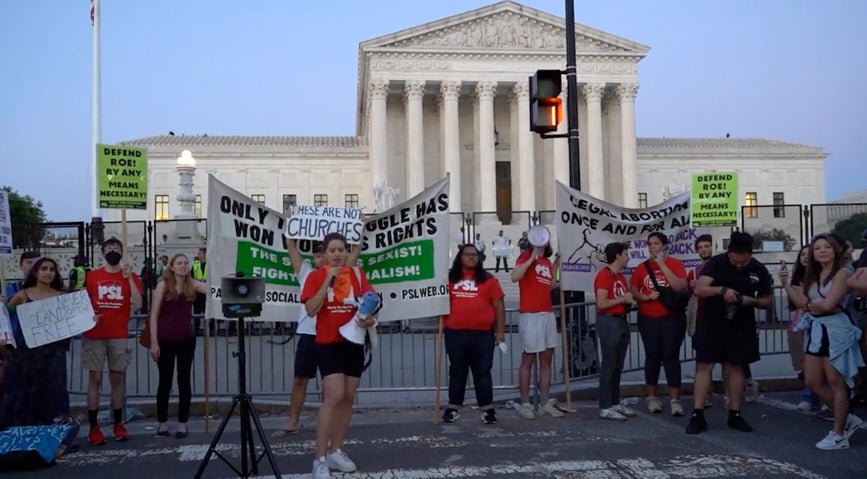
[783, 264]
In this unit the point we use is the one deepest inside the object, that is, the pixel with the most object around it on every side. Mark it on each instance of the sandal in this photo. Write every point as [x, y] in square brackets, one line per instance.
[282, 432]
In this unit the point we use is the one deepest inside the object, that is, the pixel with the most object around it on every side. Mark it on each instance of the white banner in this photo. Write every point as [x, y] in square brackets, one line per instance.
[314, 222]
[5, 226]
[54, 319]
[586, 224]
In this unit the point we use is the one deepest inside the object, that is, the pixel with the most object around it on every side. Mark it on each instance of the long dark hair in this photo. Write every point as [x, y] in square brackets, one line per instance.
[799, 270]
[30, 280]
[814, 269]
[456, 273]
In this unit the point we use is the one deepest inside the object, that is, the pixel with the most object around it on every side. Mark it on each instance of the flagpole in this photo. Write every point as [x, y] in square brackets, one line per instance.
[96, 126]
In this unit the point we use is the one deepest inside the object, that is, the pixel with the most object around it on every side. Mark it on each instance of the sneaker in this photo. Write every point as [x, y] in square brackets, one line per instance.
[526, 411]
[320, 469]
[853, 423]
[626, 411]
[697, 424]
[120, 433]
[738, 422]
[611, 414]
[708, 403]
[340, 460]
[489, 417]
[751, 390]
[451, 415]
[550, 408]
[96, 437]
[833, 441]
[676, 408]
[654, 405]
[825, 413]
[805, 406]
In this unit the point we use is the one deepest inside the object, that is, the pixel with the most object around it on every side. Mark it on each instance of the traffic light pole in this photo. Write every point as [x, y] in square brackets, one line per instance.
[572, 98]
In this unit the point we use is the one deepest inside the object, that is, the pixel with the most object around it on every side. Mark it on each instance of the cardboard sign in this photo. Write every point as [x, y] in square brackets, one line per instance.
[314, 222]
[55, 319]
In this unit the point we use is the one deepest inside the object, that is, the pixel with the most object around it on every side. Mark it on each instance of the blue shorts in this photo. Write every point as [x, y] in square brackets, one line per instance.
[305, 356]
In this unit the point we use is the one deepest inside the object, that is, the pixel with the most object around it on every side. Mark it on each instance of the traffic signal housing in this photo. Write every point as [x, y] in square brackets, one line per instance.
[546, 106]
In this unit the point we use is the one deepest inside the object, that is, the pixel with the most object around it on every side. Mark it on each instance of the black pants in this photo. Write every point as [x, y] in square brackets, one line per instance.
[183, 352]
[613, 333]
[505, 260]
[473, 351]
[662, 338]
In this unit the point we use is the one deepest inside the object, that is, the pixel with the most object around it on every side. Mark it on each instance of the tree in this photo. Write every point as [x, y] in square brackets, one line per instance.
[775, 234]
[851, 228]
[27, 218]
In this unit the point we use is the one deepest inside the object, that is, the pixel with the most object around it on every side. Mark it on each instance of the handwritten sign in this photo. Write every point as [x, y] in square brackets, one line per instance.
[6, 328]
[314, 222]
[54, 319]
[714, 199]
[5, 226]
[123, 177]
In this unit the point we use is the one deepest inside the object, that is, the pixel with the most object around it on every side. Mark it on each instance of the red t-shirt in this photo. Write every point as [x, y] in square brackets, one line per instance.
[111, 297]
[615, 284]
[472, 303]
[335, 311]
[535, 286]
[640, 280]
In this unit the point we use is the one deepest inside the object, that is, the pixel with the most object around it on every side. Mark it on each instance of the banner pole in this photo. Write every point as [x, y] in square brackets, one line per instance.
[3, 277]
[123, 235]
[439, 370]
[566, 361]
[207, 368]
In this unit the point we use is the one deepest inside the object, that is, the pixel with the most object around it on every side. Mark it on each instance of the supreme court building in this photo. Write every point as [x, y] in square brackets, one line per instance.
[451, 97]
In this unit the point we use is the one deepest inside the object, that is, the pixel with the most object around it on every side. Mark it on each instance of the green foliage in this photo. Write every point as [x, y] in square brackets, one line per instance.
[851, 228]
[27, 218]
[774, 234]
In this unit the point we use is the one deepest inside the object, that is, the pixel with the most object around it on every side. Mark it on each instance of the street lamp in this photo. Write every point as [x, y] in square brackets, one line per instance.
[186, 228]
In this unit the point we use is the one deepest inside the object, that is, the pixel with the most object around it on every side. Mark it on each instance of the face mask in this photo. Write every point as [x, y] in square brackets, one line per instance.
[112, 258]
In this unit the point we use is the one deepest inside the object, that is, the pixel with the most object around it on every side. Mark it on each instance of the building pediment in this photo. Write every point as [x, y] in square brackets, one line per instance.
[505, 26]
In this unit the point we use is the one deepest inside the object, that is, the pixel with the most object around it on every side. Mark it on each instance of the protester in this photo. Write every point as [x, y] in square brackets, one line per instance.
[809, 401]
[173, 338]
[502, 249]
[662, 330]
[200, 273]
[115, 292]
[731, 286]
[612, 328]
[78, 274]
[476, 311]
[331, 294]
[25, 262]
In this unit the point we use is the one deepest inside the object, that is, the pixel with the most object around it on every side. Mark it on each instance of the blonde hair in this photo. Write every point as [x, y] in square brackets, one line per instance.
[188, 288]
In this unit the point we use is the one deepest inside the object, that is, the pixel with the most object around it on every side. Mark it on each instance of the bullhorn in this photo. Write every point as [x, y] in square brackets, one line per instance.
[351, 331]
[539, 236]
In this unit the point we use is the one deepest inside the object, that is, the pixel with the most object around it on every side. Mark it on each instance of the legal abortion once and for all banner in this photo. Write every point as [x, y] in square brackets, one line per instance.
[404, 250]
[586, 224]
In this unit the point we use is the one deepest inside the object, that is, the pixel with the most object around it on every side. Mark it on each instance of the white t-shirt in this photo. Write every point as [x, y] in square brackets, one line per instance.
[306, 324]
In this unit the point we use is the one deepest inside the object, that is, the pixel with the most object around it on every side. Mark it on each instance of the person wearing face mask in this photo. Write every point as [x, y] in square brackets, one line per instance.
[115, 292]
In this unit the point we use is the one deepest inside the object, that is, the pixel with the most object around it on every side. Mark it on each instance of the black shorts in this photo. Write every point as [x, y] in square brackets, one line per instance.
[724, 341]
[340, 358]
[305, 356]
[824, 347]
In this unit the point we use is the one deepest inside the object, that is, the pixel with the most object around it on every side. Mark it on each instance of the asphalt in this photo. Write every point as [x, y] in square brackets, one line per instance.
[401, 443]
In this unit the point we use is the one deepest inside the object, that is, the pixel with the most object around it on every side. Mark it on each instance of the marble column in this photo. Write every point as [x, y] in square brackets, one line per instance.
[613, 168]
[413, 94]
[628, 149]
[561, 149]
[378, 132]
[451, 130]
[487, 181]
[526, 163]
[595, 157]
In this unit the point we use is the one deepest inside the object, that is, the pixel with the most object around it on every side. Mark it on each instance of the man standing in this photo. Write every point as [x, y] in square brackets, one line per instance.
[200, 273]
[480, 248]
[501, 251]
[78, 273]
[115, 292]
[731, 286]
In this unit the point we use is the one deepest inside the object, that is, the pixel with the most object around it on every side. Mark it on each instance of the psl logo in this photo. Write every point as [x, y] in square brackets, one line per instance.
[543, 271]
[466, 285]
[110, 290]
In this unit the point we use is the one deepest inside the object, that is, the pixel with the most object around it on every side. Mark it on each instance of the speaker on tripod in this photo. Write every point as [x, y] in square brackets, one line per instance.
[242, 298]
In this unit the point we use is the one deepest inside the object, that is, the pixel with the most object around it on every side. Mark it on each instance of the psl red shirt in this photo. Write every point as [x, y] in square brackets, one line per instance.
[472, 303]
[535, 286]
[111, 296]
[641, 281]
[339, 306]
[616, 286]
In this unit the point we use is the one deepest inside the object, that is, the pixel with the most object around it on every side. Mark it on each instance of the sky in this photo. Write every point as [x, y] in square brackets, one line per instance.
[789, 70]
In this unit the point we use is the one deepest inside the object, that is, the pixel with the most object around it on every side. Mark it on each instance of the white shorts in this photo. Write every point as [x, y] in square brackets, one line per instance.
[538, 331]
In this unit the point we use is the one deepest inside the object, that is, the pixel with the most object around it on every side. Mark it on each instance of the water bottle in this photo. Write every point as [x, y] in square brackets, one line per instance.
[504, 348]
[513, 405]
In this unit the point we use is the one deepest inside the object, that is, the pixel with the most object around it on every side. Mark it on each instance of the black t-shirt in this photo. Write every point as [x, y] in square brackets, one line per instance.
[754, 281]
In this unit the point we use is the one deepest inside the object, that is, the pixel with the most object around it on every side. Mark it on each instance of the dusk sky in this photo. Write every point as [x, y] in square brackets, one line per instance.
[789, 70]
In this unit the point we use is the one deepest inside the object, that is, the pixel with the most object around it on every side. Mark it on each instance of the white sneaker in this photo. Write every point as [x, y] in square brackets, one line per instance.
[320, 469]
[654, 405]
[550, 408]
[340, 460]
[853, 423]
[526, 411]
[832, 442]
[805, 406]
[611, 414]
[751, 390]
[626, 411]
[676, 408]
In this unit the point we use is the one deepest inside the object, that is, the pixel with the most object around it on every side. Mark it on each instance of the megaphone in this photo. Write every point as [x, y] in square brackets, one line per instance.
[539, 236]
[351, 331]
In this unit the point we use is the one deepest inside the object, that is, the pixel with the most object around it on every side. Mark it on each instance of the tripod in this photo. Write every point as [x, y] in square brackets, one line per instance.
[249, 461]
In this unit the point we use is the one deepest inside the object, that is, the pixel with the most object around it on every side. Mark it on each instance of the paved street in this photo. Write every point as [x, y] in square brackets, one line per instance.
[404, 443]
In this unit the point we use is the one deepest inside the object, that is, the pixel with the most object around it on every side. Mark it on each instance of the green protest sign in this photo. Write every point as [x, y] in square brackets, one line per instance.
[714, 199]
[122, 177]
[412, 261]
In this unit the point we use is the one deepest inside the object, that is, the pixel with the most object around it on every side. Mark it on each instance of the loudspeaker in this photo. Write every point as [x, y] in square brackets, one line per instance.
[242, 297]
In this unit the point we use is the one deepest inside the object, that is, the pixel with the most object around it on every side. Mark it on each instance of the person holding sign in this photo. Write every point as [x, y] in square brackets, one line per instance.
[115, 292]
[25, 262]
[173, 337]
[332, 294]
[662, 328]
[476, 300]
[35, 390]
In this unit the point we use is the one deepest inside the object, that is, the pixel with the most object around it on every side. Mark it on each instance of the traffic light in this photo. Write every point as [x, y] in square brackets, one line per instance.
[546, 107]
